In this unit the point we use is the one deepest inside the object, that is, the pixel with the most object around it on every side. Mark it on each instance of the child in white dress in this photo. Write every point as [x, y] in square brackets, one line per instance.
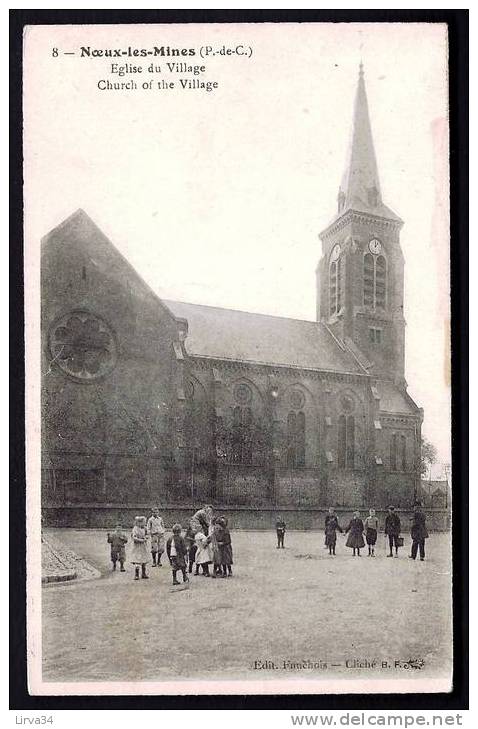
[203, 554]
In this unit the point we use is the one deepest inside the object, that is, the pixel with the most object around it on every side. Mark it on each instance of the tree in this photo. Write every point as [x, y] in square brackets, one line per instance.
[428, 456]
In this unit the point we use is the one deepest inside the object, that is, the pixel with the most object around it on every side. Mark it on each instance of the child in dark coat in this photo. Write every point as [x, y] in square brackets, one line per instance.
[280, 531]
[392, 530]
[355, 538]
[331, 528]
[118, 539]
[191, 546]
[215, 538]
[226, 549]
[177, 550]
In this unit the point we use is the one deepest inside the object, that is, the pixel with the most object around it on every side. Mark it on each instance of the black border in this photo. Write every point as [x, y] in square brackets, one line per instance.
[457, 22]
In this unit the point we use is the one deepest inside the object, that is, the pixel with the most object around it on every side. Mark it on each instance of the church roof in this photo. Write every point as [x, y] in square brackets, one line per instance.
[360, 185]
[229, 334]
[393, 400]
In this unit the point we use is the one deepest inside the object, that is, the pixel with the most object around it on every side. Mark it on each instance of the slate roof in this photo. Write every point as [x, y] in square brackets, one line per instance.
[242, 336]
[392, 400]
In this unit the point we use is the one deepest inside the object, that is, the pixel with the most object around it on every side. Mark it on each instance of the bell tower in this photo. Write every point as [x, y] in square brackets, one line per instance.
[360, 273]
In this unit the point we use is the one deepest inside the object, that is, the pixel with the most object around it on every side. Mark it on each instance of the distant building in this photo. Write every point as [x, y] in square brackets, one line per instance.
[148, 401]
[434, 494]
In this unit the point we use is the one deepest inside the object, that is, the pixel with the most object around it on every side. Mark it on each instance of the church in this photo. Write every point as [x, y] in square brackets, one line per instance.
[148, 401]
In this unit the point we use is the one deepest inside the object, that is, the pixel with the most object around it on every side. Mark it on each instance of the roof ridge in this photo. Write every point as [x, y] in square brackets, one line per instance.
[242, 311]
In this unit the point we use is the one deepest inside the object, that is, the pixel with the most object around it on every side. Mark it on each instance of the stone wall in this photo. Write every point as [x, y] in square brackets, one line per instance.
[240, 517]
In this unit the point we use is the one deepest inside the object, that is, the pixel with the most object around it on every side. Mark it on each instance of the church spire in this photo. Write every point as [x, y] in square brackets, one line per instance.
[360, 186]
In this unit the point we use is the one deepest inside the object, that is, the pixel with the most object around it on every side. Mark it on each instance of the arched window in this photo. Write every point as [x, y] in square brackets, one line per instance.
[242, 434]
[300, 439]
[374, 281]
[393, 452]
[247, 435]
[380, 282]
[346, 434]
[368, 279]
[350, 437]
[197, 429]
[403, 452]
[291, 457]
[335, 286]
[295, 439]
[398, 452]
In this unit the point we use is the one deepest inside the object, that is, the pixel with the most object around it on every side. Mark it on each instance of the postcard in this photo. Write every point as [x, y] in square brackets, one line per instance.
[238, 358]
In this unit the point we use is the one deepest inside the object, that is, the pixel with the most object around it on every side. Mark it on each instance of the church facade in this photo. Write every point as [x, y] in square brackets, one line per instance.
[149, 401]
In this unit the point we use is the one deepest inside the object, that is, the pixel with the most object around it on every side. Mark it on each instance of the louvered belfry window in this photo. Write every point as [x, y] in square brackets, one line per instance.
[374, 281]
[335, 286]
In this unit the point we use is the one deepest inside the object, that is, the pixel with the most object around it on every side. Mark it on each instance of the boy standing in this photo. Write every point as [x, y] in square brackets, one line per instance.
[117, 540]
[392, 530]
[331, 527]
[156, 531]
[371, 531]
[280, 530]
[189, 538]
[226, 549]
[176, 550]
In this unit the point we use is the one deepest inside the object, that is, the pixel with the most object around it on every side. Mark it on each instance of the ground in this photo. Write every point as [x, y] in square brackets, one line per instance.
[297, 604]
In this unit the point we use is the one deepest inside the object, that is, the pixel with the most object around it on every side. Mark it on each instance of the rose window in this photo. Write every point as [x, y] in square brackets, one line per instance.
[242, 394]
[83, 345]
[347, 404]
[297, 399]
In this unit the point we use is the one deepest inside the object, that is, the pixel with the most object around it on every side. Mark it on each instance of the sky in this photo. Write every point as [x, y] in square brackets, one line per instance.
[218, 197]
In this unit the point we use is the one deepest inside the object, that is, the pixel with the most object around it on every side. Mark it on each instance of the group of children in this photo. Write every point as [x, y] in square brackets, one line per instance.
[207, 541]
[357, 528]
[202, 546]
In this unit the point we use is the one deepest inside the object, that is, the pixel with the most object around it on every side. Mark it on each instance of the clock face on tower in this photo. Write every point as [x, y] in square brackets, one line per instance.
[335, 252]
[375, 246]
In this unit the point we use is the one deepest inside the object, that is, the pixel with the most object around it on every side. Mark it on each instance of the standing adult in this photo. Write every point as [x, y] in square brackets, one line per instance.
[156, 531]
[202, 519]
[392, 530]
[418, 532]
